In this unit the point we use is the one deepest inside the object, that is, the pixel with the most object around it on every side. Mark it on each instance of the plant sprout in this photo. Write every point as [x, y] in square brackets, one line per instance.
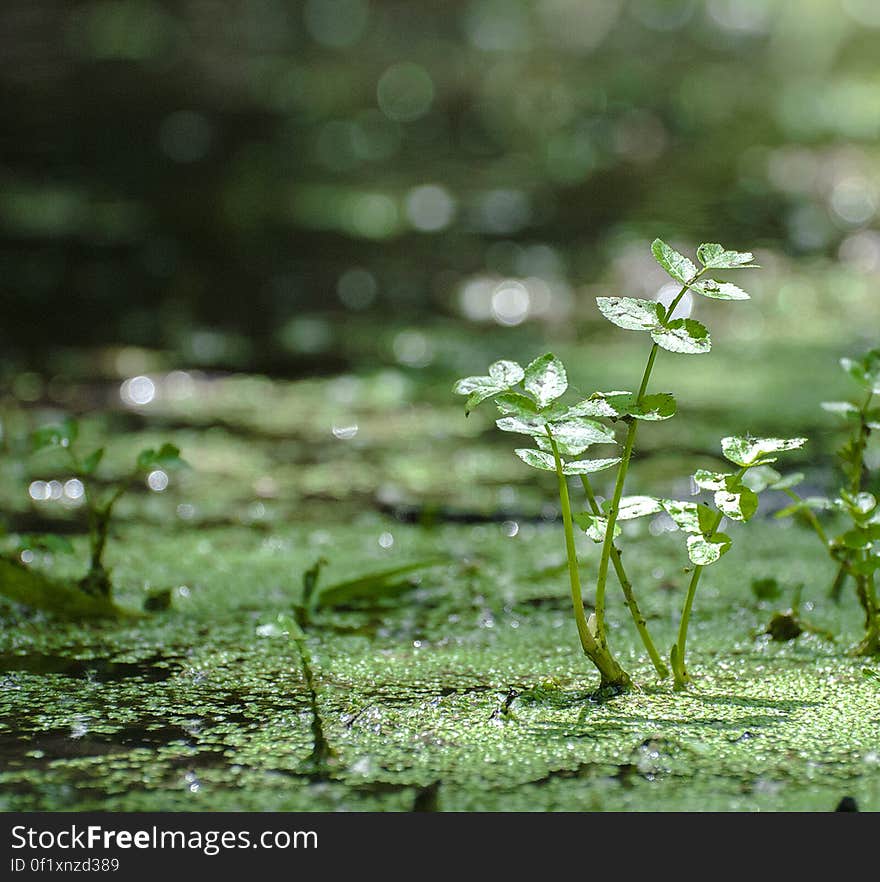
[857, 549]
[99, 505]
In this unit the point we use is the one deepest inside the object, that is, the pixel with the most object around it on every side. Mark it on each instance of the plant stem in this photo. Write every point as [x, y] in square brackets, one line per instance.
[613, 677]
[619, 483]
[679, 671]
[626, 587]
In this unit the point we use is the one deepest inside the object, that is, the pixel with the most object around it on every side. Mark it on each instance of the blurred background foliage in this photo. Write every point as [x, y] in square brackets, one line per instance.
[391, 194]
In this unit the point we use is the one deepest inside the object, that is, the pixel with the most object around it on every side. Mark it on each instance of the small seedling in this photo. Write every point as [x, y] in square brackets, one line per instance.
[857, 549]
[100, 504]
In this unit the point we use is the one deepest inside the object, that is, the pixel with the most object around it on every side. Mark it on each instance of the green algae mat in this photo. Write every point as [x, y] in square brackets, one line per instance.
[454, 685]
[462, 692]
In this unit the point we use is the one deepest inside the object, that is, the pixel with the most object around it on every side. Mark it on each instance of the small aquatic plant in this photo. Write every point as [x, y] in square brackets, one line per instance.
[856, 550]
[530, 403]
[91, 595]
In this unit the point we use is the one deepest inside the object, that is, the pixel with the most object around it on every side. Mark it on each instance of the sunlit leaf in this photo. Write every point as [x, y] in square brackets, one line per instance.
[706, 480]
[703, 551]
[841, 408]
[677, 265]
[545, 378]
[755, 451]
[632, 507]
[715, 256]
[739, 506]
[588, 466]
[537, 459]
[578, 434]
[865, 370]
[718, 290]
[523, 426]
[684, 514]
[594, 526]
[616, 405]
[686, 336]
[507, 373]
[630, 313]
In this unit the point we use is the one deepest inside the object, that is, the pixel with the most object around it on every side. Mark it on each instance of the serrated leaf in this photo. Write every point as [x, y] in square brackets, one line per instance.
[632, 507]
[630, 313]
[616, 405]
[545, 379]
[578, 434]
[686, 336]
[517, 405]
[703, 551]
[677, 265]
[537, 459]
[523, 426]
[756, 451]
[92, 461]
[684, 514]
[719, 290]
[588, 466]
[506, 373]
[739, 506]
[707, 480]
[594, 525]
[715, 256]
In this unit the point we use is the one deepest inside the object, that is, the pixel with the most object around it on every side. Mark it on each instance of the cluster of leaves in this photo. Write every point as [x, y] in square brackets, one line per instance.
[682, 335]
[529, 403]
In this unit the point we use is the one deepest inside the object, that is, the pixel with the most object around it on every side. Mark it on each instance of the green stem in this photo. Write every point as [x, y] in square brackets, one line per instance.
[613, 678]
[619, 483]
[679, 671]
[577, 600]
[810, 515]
[626, 587]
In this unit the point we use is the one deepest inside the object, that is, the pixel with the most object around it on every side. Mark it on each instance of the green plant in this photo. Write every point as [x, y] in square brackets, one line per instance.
[857, 549]
[561, 430]
[99, 504]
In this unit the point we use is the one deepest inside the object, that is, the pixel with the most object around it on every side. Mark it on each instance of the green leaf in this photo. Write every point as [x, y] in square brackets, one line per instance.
[530, 426]
[588, 466]
[579, 434]
[594, 525]
[684, 514]
[517, 405]
[166, 457]
[632, 507]
[506, 373]
[677, 265]
[856, 538]
[719, 290]
[687, 336]
[714, 256]
[767, 588]
[740, 506]
[92, 461]
[630, 313]
[859, 505]
[703, 551]
[756, 451]
[866, 370]
[841, 408]
[61, 435]
[872, 675]
[616, 405]
[537, 459]
[478, 396]
[707, 519]
[545, 378]
[706, 480]
[374, 586]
